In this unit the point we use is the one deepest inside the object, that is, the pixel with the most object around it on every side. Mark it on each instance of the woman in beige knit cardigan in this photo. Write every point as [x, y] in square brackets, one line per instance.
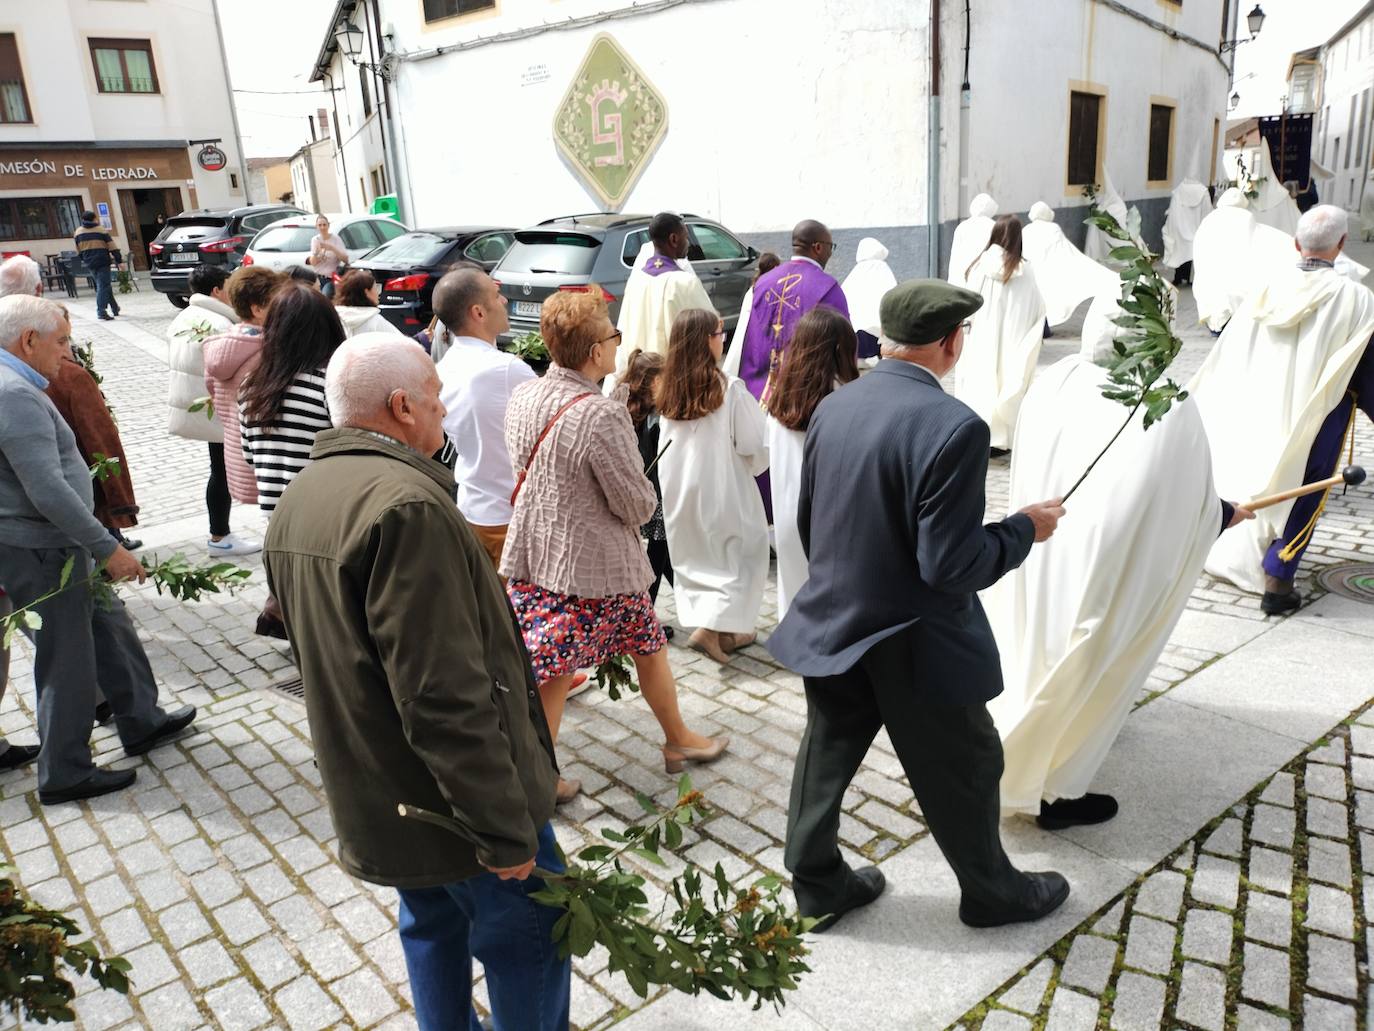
[578, 574]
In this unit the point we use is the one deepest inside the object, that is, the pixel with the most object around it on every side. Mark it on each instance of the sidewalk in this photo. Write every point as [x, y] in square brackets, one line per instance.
[216, 873]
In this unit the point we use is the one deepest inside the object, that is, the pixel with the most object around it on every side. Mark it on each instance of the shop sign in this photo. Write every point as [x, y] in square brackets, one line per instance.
[211, 158]
[77, 171]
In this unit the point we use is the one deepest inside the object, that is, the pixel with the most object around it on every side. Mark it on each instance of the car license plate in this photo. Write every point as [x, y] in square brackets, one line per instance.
[187, 258]
[528, 309]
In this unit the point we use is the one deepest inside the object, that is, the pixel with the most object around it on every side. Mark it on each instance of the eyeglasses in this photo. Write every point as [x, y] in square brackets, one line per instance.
[966, 325]
[719, 333]
[614, 336]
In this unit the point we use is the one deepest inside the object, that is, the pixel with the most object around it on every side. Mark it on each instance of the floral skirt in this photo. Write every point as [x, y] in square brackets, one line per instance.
[564, 633]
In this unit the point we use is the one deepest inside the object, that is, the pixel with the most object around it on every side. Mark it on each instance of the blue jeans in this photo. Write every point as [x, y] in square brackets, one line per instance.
[104, 296]
[443, 928]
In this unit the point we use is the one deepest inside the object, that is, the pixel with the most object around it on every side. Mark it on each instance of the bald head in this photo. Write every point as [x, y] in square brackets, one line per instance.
[811, 239]
[469, 304]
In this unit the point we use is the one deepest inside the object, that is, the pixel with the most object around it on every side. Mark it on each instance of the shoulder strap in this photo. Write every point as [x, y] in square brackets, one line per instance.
[520, 480]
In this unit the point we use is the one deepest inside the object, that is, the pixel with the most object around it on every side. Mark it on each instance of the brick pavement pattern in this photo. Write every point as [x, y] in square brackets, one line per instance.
[216, 874]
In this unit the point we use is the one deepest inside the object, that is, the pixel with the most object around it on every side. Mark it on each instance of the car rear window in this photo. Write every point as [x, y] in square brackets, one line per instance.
[412, 249]
[184, 230]
[284, 238]
[568, 254]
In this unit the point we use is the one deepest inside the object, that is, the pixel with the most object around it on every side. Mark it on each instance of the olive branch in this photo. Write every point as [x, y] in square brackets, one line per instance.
[1149, 345]
[727, 941]
[104, 466]
[203, 404]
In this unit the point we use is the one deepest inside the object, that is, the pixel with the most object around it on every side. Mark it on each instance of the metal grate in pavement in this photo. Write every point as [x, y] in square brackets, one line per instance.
[292, 688]
[1354, 580]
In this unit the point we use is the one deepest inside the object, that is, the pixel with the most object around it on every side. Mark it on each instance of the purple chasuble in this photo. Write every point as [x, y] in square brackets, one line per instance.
[781, 297]
[659, 264]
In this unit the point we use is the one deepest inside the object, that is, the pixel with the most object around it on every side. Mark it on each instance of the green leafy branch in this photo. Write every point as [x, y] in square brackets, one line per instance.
[125, 281]
[203, 404]
[197, 332]
[104, 466]
[175, 576]
[530, 347]
[37, 953]
[727, 941]
[1144, 352]
[84, 353]
[614, 677]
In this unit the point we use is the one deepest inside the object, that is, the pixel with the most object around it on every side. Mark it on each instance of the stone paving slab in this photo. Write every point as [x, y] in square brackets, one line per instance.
[217, 871]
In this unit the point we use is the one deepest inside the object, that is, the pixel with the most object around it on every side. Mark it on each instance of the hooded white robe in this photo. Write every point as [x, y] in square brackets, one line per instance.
[866, 283]
[1189, 205]
[970, 237]
[1081, 624]
[713, 513]
[1281, 366]
[1275, 206]
[1097, 244]
[1066, 276]
[1232, 255]
[1001, 347]
[650, 305]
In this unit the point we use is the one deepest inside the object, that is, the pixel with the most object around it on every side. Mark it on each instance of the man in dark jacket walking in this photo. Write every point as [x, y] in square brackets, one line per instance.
[888, 631]
[419, 692]
[97, 251]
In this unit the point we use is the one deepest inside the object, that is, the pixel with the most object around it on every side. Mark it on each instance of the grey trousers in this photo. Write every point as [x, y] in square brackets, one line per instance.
[81, 645]
[5, 609]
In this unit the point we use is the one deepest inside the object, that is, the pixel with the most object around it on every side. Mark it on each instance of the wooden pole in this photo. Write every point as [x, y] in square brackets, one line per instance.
[1296, 492]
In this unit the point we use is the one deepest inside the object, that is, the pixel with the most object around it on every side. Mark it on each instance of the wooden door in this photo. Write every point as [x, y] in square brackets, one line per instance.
[136, 254]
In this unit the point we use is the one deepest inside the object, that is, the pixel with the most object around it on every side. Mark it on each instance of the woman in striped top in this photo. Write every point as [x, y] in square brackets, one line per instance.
[282, 404]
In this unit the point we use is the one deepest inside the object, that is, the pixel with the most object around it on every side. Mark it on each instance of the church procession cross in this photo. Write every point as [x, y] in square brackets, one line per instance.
[1143, 354]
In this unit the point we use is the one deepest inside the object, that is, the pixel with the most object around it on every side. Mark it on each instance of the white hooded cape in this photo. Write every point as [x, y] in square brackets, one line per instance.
[1001, 347]
[1081, 624]
[1189, 205]
[1066, 276]
[1097, 244]
[866, 283]
[1278, 370]
[1274, 206]
[1233, 254]
[970, 237]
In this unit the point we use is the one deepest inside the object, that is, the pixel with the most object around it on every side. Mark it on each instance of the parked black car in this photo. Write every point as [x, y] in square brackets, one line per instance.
[568, 253]
[409, 266]
[214, 237]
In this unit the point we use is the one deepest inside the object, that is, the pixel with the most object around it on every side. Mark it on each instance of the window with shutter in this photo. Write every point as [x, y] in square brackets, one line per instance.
[436, 10]
[1084, 113]
[14, 97]
[1161, 135]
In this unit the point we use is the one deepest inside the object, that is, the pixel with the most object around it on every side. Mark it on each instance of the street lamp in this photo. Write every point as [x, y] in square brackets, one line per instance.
[1235, 100]
[1255, 21]
[350, 37]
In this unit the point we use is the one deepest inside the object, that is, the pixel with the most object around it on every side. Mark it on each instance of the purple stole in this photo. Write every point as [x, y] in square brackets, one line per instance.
[782, 297]
[659, 264]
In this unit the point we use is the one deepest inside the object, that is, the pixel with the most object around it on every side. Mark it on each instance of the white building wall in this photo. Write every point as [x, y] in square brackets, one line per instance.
[1347, 102]
[358, 149]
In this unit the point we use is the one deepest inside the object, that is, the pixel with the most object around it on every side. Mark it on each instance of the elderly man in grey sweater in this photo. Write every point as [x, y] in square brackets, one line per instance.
[46, 520]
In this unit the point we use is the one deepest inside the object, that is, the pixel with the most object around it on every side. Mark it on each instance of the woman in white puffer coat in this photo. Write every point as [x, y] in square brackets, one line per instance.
[206, 314]
[356, 298]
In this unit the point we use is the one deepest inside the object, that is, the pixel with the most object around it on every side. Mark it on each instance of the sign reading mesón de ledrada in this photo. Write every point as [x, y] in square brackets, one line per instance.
[610, 122]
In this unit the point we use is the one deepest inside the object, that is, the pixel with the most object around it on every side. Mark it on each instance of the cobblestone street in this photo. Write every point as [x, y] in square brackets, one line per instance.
[1230, 892]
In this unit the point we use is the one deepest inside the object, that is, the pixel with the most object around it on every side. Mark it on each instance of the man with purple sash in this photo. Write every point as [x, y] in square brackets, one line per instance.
[781, 298]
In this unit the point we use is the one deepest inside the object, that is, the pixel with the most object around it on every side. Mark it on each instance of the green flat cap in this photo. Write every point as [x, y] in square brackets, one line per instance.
[922, 311]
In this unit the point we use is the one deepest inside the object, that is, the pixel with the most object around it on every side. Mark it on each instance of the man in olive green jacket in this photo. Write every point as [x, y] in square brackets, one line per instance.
[419, 691]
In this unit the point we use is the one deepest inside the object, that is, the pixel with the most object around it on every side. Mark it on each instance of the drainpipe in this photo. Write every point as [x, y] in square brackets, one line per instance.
[233, 111]
[386, 112]
[965, 111]
[933, 149]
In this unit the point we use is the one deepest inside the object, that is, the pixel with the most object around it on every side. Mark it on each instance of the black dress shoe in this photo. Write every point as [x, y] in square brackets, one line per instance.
[16, 756]
[101, 782]
[177, 721]
[668, 631]
[103, 714]
[1076, 812]
[130, 543]
[1043, 894]
[1277, 604]
[867, 885]
[998, 452]
[105, 318]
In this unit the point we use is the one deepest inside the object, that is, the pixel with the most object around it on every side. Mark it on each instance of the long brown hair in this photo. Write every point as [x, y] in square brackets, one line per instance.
[768, 261]
[641, 375]
[351, 291]
[1006, 233]
[691, 386]
[823, 350]
[301, 331]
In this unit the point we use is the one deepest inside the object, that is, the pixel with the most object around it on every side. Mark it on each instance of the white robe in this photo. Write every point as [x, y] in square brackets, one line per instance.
[1189, 205]
[784, 475]
[648, 309]
[1282, 365]
[713, 514]
[1097, 244]
[730, 363]
[1082, 622]
[1001, 347]
[1233, 254]
[970, 237]
[1275, 206]
[866, 284]
[1066, 276]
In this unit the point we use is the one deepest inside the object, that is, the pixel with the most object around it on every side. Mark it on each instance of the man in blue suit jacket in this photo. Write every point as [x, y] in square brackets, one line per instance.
[888, 630]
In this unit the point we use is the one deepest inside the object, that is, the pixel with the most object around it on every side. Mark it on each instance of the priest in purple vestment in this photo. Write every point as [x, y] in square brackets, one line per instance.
[781, 298]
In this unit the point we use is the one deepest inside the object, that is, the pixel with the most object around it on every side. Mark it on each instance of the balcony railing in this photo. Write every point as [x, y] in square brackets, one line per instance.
[120, 84]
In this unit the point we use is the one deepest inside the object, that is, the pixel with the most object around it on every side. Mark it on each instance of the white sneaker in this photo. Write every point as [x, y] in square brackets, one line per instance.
[231, 545]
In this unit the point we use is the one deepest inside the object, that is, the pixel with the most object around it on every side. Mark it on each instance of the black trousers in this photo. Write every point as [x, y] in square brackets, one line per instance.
[952, 756]
[217, 499]
[662, 565]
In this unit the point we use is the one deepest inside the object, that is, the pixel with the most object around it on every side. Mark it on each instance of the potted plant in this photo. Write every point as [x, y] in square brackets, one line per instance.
[531, 349]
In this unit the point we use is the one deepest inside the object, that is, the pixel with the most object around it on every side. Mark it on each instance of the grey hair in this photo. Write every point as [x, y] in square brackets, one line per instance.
[1321, 229]
[19, 275]
[20, 313]
[367, 369]
[889, 348]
